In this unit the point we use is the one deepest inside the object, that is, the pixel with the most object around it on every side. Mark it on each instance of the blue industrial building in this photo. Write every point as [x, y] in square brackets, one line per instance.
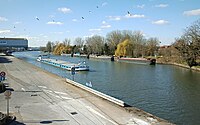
[14, 43]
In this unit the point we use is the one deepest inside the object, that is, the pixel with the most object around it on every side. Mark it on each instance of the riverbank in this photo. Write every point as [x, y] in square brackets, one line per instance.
[180, 65]
[145, 60]
[42, 97]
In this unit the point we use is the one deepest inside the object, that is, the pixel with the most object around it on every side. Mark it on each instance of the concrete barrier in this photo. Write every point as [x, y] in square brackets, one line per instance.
[97, 93]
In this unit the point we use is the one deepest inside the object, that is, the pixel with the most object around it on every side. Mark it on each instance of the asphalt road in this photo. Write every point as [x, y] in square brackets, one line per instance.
[40, 97]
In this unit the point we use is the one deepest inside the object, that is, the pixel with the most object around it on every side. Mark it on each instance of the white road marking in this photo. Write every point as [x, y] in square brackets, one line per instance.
[99, 114]
[66, 98]
[50, 92]
[23, 89]
[137, 121]
[42, 87]
[47, 90]
[60, 93]
[57, 96]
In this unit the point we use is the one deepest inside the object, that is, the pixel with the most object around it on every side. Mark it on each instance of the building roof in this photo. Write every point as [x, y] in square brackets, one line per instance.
[13, 38]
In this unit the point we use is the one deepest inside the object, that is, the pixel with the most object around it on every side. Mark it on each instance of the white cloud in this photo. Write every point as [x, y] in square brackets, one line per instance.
[3, 19]
[42, 35]
[74, 20]
[161, 5]
[91, 35]
[57, 32]
[27, 37]
[94, 30]
[64, 10]
[134, 16]
[192, 12]
[103, 22]
[5, 31]
[116, 18]
[55, 23]
[32, 38]
[104, 4]
[160, 22]
[105, 25]
[141, 6]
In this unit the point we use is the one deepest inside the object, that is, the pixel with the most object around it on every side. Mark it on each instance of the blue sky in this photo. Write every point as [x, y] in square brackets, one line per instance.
[41, 21]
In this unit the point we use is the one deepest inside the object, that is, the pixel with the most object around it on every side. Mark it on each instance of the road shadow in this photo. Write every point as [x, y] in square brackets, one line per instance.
[2, 88]
[52, 121]
[8, 120]
[63, 121]
[16, 123]
[3, 59]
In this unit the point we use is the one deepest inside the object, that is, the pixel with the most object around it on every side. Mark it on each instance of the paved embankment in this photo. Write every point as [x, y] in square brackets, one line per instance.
[41, 97]
[180, 65]
[145, 60]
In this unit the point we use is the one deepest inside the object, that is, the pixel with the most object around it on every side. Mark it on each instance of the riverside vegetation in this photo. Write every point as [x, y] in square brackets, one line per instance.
[185, 50]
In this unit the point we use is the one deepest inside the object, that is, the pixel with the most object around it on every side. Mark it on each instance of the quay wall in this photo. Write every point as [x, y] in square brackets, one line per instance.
[97, 93]
[180, 65]
[118, 102]
[145, 60]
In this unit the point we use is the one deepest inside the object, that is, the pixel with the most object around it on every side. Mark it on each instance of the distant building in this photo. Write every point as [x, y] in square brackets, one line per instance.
[14, 43]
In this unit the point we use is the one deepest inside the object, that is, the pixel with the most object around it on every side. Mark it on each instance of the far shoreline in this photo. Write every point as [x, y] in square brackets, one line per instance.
[142, 59]
[105, 57]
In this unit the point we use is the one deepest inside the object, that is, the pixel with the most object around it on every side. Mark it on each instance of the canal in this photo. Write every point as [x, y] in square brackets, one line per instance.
[167, 91]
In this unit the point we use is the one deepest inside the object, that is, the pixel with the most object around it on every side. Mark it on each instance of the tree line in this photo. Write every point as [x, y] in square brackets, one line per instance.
[120, 43]
[127, 43]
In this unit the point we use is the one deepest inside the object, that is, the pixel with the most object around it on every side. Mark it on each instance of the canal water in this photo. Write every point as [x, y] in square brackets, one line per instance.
[167, 91]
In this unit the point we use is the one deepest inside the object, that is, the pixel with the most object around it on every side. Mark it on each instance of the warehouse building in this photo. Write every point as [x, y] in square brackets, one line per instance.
[14, 43]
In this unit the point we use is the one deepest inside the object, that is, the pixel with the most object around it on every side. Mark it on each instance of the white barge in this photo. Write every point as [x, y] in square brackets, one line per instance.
[82, 66]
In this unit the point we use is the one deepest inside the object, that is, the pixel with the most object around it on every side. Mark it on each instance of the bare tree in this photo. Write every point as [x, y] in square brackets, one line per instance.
[79, 42]
[113, 39]
[138, 41]
[49, 46]
[67, 42]
[152, 46]
[95, 44]
[189, 44]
